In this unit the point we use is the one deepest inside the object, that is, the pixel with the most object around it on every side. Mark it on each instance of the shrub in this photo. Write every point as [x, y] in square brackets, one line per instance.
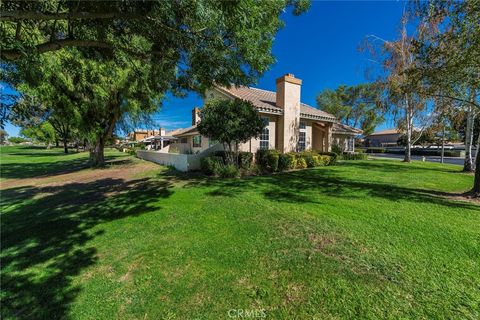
[375, 150]
[267, 160]
[318, 161]
[332, 158]
[173, 149]
[211, 164]
[245, 160]
[336, 149]
[227, 171]
[286, 161]
[301, 163]
[354, 156]
[309, 160]
[325, 160]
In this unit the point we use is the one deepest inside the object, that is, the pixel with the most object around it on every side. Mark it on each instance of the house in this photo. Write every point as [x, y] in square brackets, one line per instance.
[140, 134]
[344, 136]
[290, 125]
[384, 138]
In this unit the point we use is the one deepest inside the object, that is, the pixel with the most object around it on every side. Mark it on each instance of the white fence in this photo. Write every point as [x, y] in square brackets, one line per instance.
[181, 162]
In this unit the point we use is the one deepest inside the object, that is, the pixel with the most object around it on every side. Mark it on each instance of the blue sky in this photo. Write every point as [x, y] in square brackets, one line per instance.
[320, 47]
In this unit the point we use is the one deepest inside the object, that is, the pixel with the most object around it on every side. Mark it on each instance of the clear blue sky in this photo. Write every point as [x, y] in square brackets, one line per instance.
[320, 47]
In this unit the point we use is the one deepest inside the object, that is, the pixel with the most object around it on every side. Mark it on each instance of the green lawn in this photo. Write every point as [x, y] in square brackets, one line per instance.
[364, 239]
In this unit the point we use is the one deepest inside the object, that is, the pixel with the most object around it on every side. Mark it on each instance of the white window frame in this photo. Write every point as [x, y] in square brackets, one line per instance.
[265, 135]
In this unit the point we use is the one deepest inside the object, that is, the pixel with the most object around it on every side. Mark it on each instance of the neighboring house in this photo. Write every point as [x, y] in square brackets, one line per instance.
[344, 136]
[385, 138]
[290, 125]
[140, 134]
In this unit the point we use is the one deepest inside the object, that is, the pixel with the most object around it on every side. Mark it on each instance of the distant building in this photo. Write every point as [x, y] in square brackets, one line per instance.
[384, 138]
[141, 134]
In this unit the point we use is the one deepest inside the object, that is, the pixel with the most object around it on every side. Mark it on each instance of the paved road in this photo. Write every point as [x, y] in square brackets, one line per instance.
[451, 160]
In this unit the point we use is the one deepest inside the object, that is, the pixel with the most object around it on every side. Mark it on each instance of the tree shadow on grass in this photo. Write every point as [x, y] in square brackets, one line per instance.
[305, 186]
[49, 169]
[46, 233]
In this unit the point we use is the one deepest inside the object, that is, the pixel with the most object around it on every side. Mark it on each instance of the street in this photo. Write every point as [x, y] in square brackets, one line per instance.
[451, 160]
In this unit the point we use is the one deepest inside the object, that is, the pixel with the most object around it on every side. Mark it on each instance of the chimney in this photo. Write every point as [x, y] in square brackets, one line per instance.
[195, 116]
[161, 131]
[288, 98]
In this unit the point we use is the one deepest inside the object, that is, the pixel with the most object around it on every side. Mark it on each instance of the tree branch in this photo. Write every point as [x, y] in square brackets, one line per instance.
[35, 15]
[13, 54]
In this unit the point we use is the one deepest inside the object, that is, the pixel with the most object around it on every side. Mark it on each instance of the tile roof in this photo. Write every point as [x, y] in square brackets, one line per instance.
[265, 100]
[343, 128]
[388, 131]
[183, 131]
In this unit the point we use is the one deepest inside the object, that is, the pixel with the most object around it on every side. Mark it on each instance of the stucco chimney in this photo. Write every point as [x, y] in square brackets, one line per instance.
[162, 131]
[195, 116]
[288, 98]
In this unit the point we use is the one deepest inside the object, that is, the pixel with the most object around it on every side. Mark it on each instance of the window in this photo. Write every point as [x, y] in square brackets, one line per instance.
[197, 141]
[265, 135]
[302, 137]
[301, 141]
[183, 140]
[350, 144]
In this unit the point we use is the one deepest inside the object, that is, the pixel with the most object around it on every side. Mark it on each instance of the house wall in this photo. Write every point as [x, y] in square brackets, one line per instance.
[288, 98]
[254, 144]
[342, 141]
[382, 139]
[188, 147]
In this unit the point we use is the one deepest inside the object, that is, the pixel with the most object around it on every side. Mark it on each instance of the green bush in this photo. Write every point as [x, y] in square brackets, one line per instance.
[318, 161]
[210, 165]
[286, 161]
[301, 163]
[245, 160]
[309, 160]
[375, 150]
[325, 160]
[227, 171]
[354, 156]
[336, 149]
[332, 158]
[267, 160]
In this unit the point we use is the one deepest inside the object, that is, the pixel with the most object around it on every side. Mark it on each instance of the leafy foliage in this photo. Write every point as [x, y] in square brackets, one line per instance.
[357, 106]
[230, 122]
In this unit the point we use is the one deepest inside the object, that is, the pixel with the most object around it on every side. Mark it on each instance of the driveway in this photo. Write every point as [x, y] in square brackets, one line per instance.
[451, 160]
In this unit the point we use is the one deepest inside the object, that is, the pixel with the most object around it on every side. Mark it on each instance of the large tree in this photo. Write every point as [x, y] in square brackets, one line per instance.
[447, 58]
[184, 45]
[357, 106]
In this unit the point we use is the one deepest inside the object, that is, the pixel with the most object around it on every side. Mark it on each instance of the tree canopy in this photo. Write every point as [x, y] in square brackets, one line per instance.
[357, 106]
[230, 122]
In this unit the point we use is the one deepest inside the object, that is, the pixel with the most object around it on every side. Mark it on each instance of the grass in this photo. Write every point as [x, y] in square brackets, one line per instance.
[364, 239]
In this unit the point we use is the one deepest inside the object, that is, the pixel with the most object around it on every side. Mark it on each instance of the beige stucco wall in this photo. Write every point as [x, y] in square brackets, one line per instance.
[254, 144]
[288, 98]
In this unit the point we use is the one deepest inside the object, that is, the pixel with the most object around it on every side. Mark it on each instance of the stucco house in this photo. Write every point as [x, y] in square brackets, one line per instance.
[290, 125]
[384, 138]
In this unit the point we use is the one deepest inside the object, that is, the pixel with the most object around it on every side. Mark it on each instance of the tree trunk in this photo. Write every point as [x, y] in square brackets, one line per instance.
[65, 145]
[409, 120]
[443, 145]
[476, 182]
[97, 153]
[477, 152]
[468, 164]
[57, 143]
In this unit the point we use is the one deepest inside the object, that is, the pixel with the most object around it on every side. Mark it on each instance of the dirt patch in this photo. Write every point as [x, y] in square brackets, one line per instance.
[126, 171]
[464, 198]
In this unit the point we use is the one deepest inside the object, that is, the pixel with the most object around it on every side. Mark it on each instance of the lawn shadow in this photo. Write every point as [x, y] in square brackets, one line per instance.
[45, 241]
[304, 186]
[48, 169]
